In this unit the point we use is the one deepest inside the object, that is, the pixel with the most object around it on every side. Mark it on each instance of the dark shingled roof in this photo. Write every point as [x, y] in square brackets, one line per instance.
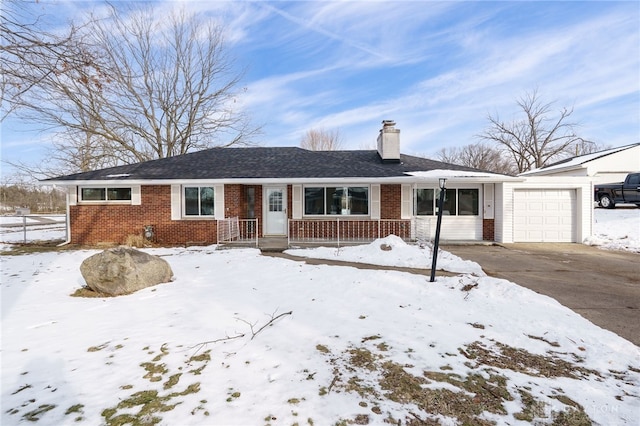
[277, 162]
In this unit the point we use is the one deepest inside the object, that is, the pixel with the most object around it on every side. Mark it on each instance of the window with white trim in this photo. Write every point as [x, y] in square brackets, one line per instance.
[105, 194]
[336, 200]
[457, 201]
[198, 201]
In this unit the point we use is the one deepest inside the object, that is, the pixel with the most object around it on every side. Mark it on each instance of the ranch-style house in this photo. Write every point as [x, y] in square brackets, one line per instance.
[222, 195]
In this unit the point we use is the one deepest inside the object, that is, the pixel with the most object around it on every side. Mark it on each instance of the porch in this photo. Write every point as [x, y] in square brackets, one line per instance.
[313, 232]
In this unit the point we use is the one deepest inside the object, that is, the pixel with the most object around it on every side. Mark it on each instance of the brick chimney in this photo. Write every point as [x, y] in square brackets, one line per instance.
[389, 142]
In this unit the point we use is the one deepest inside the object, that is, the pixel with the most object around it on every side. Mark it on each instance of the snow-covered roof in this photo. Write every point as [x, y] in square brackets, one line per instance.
[460, 175]
[577, 161]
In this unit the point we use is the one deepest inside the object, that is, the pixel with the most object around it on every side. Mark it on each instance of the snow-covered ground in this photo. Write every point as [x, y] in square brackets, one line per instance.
[29, 229]
[617, 229]
[341, 345]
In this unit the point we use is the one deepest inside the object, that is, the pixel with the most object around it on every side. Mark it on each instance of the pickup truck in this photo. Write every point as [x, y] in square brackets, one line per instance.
[608, 194]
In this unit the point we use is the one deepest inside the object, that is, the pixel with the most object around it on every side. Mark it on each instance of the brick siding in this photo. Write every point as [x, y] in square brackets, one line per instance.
[391, 201]
[112, 224]
[488, 229]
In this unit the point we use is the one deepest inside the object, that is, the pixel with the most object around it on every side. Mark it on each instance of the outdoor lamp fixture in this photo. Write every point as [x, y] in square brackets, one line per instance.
[441, 183]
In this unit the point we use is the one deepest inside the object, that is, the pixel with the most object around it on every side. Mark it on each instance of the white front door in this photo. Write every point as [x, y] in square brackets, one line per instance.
[275, 199]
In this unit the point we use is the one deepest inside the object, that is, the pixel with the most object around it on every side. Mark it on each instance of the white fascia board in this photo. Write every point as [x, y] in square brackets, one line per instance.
[281, 181]
[555, 182]
[250, 181]
[454, 176]
[552, 170]
[468, 180]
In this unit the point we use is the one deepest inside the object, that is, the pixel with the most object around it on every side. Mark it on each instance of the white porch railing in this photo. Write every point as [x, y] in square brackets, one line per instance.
[354, 231]
[234, 230]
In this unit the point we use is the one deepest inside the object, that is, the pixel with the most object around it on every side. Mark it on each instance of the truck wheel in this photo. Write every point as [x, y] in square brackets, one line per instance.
[607, 202]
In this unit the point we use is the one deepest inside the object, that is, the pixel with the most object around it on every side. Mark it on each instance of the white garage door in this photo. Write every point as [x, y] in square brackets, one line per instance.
[544, 215]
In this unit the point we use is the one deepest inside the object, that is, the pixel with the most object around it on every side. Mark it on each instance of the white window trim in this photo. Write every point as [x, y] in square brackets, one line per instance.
[135, 195]
[335, 216]
[479, 188]
[178, 207]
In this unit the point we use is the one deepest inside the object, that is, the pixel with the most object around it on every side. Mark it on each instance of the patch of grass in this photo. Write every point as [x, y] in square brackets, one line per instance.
[20, 389]
[17, 249]
[571, 418]
[568, 401]
[532, 408]
[233, 396]
[35, 415]
[363, 358]
[204, 358]
[98, 348]
[173, 380]
[522, 361]
[383, 347]
[355, 384]
[464, 398]
[148, 404]
[554, 344]
[154, 371]
[74, 409]
[163, 352]
[87, 292]
[323, 349]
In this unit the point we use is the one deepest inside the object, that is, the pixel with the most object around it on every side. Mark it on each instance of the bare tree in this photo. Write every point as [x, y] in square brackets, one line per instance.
[583, 147]
[479, 156]
[538, 138]
[321, 140]
[150, 86]
[28, 54]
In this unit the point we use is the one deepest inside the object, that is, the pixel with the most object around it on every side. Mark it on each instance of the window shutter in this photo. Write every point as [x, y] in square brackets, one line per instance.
[136, 197]
[176, 204]
[375, 201]
[296, 203]
[405, 208]
[72, 195]
[219, 201]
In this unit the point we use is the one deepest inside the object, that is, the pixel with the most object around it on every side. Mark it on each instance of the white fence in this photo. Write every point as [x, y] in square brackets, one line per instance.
[353, 231]
[32, 227]
[234, 230]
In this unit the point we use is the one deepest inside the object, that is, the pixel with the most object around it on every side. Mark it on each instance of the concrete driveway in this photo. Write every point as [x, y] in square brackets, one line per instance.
[602, 286]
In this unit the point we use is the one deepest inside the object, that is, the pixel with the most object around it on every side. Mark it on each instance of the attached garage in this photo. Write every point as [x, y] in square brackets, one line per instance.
[544, 215]
[544, 210]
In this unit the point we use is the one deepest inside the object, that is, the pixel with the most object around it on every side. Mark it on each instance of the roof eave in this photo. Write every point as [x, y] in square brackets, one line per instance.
[276, 181]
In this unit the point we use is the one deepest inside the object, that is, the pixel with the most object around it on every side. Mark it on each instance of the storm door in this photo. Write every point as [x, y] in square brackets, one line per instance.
[276, 210]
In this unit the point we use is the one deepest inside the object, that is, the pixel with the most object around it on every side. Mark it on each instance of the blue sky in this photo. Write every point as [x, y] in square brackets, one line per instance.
[436, 68]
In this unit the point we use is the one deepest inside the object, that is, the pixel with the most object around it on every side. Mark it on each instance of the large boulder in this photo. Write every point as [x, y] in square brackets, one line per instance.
[123, 270]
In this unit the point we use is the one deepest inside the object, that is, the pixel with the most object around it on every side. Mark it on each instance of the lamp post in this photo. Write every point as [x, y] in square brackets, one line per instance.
[441, 183]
